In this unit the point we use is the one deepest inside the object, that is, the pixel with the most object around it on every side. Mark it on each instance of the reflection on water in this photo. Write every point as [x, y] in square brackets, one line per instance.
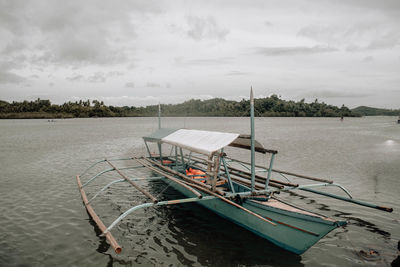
[45, 224]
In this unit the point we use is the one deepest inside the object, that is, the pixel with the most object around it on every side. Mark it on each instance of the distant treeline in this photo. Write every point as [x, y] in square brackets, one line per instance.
[368, 111]
[271, 106]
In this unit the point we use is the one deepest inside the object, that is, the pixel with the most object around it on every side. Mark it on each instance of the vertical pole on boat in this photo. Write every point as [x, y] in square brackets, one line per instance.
[253, 154]
[159, 149]
[159, 115]
[176, 157]
[269, 171]
[148, 149]
[209, 166]
[159, 127]
[182, 159]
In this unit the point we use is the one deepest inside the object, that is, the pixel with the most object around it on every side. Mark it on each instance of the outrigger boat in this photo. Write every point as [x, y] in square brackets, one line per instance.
[244, 193]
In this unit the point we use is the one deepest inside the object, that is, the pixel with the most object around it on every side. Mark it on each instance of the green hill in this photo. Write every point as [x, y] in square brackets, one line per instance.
[369, 111]
[271, 106]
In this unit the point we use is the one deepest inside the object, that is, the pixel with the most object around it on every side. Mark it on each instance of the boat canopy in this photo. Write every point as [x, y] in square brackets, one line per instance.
[159, 134]
[203, 142]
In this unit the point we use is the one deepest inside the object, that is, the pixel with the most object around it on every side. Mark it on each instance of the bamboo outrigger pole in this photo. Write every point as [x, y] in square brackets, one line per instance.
[117, 248]
[253, 154]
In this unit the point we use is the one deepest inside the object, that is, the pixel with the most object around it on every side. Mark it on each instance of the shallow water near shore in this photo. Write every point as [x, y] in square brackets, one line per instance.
[43, 221]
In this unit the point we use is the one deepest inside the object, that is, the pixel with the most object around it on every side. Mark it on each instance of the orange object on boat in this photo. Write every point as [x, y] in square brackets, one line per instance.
[196, 174]
[166, 161]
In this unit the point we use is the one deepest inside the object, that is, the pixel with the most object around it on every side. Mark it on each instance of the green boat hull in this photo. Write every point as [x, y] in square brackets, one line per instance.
[295, 232]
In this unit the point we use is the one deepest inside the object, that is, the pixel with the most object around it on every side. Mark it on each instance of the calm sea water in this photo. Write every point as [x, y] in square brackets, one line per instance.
[43, 221]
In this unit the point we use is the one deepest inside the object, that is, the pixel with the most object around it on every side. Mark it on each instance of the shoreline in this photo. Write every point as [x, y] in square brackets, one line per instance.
[49, 116]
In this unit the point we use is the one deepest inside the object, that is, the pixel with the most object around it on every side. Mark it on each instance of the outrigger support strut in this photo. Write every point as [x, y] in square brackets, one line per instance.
[161, 203]
[109, 170]
[147, 194]
[123, 180]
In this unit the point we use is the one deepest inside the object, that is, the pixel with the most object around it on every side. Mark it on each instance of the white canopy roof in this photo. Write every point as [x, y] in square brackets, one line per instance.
[204, 142]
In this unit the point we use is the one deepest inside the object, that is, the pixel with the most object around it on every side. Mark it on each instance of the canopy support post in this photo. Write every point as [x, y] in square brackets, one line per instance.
[227, 174]
[183, 160]
[159, 149]
[271, 162]
[159, 116]
[209, 166]
[148, 149]
[216, 171]
[176, 157]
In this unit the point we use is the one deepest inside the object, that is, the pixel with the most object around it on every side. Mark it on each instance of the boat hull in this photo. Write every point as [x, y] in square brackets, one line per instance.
[292, 231]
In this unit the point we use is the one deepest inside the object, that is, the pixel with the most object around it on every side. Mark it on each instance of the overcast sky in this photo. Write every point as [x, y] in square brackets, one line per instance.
[145, 52]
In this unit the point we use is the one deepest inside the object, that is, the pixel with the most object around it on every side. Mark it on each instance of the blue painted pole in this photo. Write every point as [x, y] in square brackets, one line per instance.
[269, 171]
[358, 202]
[253, 154]
[159, 116]
[228, 175]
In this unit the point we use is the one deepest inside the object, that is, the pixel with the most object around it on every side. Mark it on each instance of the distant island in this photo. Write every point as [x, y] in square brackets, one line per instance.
[271, 106]
[368, 111]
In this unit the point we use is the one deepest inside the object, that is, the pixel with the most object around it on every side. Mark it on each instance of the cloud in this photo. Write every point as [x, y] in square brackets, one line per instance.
[97, 77]
[355, 37]
[9, 77]
[387, 41]
[296, 50]
[75, 78]
[237, 73]
[72, 32]
[6, 74]
[152, 85]
[115, 73]
[368, 59]
[205, 61]
[268, 23]
[205, 28]
[130, 85]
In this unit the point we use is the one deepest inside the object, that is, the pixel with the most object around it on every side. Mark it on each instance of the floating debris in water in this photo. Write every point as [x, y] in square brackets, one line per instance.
[370, 254]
